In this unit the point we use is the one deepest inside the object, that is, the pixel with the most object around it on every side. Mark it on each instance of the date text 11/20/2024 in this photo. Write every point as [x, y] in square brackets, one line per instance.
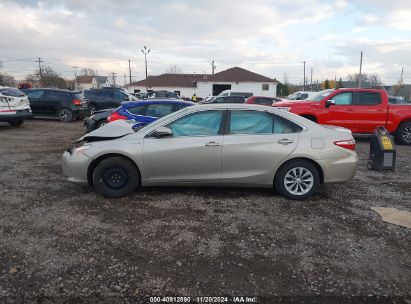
[239, 299]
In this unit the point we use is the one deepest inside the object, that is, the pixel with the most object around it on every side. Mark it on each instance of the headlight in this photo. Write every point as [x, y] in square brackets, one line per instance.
[79, 147]
[283, 108]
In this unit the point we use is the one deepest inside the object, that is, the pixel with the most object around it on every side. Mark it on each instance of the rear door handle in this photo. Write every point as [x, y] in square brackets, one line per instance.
[212, 144]
[285, 141]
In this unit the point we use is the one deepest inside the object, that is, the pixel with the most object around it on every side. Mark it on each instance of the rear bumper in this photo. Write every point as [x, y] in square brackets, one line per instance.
[339, 170]
[84, 112]
[90, 124]
[16, 116]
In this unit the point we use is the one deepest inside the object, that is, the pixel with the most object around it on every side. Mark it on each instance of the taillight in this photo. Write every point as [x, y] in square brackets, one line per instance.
[346, 144]
[76, 102]
[115, 116]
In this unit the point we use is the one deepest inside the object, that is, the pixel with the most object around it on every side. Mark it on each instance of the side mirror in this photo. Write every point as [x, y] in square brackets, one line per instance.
[162, 132]
[329, 102]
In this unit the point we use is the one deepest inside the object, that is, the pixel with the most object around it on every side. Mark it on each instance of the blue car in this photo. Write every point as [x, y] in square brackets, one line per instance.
[142, 112]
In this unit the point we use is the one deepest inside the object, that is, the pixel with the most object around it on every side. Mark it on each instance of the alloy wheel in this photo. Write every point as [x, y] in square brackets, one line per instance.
[406, 134]
[299, 181]
[65, 115]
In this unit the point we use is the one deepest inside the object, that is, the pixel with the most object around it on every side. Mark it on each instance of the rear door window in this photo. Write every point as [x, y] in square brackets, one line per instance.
[264, 101]
[35, 94]
[139, 110]
[159, 110]
[367, 99]
[234, 99]
[258, 122]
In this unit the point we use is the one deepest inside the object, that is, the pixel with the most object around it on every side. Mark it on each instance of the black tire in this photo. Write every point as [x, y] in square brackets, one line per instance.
[116, 177]
[101, 123]
[403, 134]
[16, 123]
[304, 170]
[65, 115]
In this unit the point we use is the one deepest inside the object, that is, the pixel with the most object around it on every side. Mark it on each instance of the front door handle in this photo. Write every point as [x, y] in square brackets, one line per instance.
[285, 141]
[212, 144]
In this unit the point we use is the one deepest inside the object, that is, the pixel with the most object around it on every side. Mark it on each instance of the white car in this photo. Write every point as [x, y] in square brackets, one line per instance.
[14, 106]
[300, 95]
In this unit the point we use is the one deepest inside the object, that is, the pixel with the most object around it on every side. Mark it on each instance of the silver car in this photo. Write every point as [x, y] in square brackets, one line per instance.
[218, 145]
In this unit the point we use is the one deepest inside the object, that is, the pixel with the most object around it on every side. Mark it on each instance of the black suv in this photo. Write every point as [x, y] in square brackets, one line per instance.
[227, 99]
[66, 105]
[106, 98]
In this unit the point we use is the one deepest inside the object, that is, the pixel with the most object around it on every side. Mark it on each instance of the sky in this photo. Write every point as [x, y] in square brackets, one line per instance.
[272, 38]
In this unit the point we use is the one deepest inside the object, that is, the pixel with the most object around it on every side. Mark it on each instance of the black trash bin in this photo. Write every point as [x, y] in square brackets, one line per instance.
[382, 151]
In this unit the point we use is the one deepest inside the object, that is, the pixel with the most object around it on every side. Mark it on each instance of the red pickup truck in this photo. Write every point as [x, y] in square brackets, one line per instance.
[360, 110]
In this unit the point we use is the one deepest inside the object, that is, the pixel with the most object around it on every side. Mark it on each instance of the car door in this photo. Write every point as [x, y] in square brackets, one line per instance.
[37, 104]
[369, 113]
[341, 113]
[51, 101]
[191, 154]
[255, 143]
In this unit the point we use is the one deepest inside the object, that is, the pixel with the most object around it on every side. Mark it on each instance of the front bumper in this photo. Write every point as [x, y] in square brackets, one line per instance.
[18, 115]
[75, 166]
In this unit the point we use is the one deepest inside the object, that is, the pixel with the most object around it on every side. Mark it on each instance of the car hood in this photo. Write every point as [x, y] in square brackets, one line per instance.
[112, 130]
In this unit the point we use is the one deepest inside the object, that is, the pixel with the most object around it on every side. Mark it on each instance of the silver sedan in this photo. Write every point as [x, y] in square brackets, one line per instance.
[217, 145]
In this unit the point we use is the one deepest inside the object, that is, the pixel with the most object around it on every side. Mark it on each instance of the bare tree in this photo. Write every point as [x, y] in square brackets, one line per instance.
[49, 78]
[173, 69]
[375, 81]
[87, 72]
[285, 78]
[7, 80]
[371, 79]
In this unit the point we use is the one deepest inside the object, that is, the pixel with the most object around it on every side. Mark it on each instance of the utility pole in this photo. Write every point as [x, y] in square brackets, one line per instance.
[402, 73]
[212, 67]
[145, 52]
[304, 75]
[311, 81]
[129, 70]
[359, 76]
[75, 76]
[113, 76]
[40, 61]
[335, 81]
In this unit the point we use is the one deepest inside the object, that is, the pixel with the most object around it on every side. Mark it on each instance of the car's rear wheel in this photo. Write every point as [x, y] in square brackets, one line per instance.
[101, 123]
[404, 133]
[297, 179]
[16, 123]
[116, 177]
[65, 115]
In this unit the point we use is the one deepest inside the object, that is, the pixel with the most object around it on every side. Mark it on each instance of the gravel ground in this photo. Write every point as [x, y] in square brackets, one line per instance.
[62, 241]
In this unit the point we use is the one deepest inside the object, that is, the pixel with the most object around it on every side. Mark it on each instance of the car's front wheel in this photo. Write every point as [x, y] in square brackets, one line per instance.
[297, 179]
[16, 123]
[65, 115]
[116, 177]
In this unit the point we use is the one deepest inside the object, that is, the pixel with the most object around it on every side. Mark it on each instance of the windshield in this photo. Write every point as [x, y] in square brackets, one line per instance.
[320, 95]
[292, 96]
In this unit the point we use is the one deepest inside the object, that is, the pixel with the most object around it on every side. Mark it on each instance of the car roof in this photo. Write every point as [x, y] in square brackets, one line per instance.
[52, 89]
[131, 104]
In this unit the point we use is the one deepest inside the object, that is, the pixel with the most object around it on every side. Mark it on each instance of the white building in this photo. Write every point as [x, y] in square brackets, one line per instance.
[95, 82]
[203, 85]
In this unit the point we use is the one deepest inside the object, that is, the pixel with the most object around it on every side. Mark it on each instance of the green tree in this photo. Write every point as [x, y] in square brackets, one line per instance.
[282, 89]
[326, 84]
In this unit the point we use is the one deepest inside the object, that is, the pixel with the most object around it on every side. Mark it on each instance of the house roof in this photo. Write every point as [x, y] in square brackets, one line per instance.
[84, 79]
[235, 74]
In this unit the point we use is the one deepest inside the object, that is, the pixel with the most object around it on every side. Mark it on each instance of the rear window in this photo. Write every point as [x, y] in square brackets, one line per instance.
[367, 99]
[12, 92]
